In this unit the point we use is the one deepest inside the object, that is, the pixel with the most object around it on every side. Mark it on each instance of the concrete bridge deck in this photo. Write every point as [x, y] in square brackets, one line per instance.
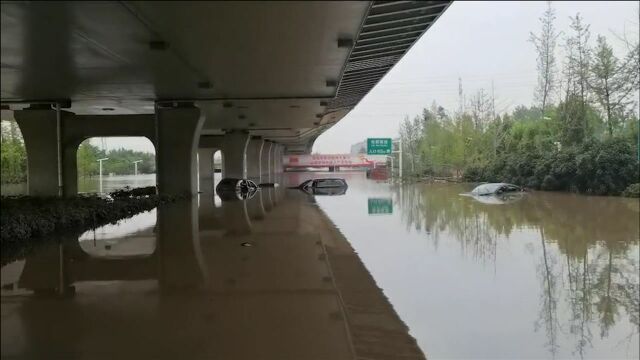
[256, 80]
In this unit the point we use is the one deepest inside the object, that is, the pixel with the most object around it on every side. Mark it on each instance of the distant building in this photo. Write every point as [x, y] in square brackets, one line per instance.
[359, 148]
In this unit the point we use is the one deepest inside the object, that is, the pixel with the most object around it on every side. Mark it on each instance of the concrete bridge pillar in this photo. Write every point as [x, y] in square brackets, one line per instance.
[265, 161]
[178, 136]
[274, 161]
[254, 158]
[205, 169]
[234, 148]
[277, 159]
[207, 147]
[42, 133]
[205, 163]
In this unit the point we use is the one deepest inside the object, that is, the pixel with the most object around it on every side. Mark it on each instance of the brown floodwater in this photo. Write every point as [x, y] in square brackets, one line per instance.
[284, 275]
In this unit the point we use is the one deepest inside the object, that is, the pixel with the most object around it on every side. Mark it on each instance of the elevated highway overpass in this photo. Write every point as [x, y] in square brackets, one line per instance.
[256, 80]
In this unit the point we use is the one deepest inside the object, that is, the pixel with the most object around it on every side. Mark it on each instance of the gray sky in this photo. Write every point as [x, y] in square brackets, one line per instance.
[479, 42]
[138, 143]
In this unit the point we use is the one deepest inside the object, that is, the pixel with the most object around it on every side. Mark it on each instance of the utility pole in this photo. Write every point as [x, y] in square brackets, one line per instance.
[100, 161]
[135, 164]
[399, 152]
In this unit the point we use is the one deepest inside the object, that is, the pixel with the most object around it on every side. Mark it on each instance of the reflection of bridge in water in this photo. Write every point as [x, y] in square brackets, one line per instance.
[297, 292]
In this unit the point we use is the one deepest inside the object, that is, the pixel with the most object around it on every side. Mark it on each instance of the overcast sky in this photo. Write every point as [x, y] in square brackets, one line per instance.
[479, 42]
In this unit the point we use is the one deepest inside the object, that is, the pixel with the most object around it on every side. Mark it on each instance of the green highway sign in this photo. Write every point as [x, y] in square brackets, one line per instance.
[379, 146]
[380, 206]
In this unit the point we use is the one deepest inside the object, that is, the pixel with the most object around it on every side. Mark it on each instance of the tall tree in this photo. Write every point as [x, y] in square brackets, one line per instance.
[410, 133]
[545, 44]
[480, 106]
[609, 83]
[87, 156]
[577, 66]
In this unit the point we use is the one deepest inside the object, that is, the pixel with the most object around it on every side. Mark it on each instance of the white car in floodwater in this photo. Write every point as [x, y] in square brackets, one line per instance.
[496, 193]
[495, 188]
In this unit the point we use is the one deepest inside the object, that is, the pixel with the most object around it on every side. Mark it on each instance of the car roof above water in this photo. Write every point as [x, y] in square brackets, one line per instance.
[489, 188]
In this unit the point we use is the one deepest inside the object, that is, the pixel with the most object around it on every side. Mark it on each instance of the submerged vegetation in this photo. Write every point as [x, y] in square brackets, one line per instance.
[26, 221]
[580, 135]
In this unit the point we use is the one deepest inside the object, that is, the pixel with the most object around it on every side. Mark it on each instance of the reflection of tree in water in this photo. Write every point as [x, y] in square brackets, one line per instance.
[431, 210]
[548, 297]
[597, 239]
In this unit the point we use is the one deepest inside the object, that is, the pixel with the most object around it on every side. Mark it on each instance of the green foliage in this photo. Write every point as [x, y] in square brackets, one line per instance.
[599, 167]
[632, 190]
[120, 161]
[587, 142]
[13, 153]
[87, 159]
[14, 158]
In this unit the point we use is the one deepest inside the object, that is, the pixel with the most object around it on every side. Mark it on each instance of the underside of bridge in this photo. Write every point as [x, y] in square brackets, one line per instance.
[256, 79]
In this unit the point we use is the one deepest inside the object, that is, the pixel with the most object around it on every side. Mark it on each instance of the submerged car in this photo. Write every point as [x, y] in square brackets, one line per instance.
[330, 186]
[232, 188]
[495, 189]
[498, 199]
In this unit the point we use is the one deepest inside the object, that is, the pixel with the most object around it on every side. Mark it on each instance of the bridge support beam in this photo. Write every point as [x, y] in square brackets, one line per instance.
[234, 147]
[52, 144]
[178, 136]
[78, 128]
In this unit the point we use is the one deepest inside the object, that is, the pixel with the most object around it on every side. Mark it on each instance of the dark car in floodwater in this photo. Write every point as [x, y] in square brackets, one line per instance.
[329, 186]
[236, 189]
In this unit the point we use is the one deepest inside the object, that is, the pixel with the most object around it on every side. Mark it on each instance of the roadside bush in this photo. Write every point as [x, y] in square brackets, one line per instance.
[474, 173]
[596, 167]
[632, 190]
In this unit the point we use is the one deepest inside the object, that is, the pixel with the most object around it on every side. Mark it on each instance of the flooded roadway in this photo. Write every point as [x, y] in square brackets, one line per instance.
[547, 276]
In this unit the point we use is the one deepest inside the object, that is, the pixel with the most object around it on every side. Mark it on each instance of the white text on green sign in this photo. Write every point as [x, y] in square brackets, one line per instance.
[379, 146]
